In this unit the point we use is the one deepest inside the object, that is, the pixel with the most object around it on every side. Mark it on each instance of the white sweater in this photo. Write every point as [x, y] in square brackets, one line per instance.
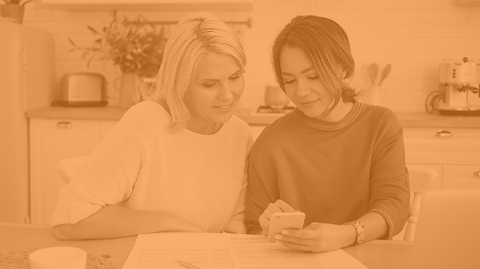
[144, 164]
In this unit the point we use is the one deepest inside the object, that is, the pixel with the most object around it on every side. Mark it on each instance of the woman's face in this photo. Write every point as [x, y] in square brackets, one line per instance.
[303, 84]
[214, 93]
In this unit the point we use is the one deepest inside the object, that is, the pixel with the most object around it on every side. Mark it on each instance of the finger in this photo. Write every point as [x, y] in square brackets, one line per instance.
[312, 226]
[295, 246]
[264, 222]
[267, 213]
[302, 240]
[273, 208]
[295, 233]
[284, 206]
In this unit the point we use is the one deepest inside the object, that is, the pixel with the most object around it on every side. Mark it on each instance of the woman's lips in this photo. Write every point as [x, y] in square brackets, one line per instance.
[224, 107]
[308, 103]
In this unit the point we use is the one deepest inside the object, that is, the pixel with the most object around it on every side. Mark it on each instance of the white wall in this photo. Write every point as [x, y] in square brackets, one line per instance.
[413, 35]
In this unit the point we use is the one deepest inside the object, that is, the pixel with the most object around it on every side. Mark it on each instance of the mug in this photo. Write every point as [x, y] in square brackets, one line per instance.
[275, 97]
[58, 258]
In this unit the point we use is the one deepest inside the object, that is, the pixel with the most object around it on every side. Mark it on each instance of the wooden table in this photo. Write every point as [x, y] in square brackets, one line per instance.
[374, 254]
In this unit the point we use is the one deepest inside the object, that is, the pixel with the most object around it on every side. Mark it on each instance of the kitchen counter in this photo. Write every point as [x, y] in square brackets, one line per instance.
[247, 114]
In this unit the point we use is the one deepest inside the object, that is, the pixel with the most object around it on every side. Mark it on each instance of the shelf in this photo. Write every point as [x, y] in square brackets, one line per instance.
[468, 2]
[179, 5]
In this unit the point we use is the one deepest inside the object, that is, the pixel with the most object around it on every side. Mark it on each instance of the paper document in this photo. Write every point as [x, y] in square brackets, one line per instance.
[254, 251]
[228, 251]
[164, 250]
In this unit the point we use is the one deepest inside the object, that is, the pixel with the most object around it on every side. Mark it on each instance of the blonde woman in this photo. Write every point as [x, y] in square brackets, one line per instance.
[337, 160]
[175, 162]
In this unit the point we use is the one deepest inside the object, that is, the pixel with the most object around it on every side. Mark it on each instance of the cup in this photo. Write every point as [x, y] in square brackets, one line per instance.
[275, 97]
[58, 258]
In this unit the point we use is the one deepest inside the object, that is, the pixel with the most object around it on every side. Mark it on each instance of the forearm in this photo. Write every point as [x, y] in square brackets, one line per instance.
[375, 226]
[117, 221]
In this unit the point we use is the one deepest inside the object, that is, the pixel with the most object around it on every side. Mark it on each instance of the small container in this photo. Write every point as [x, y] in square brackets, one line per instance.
[58, 258]
[275, 97]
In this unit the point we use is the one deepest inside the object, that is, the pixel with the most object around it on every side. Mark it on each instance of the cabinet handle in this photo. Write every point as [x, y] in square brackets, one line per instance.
[64, 124]
[444, 134]
[476, 173]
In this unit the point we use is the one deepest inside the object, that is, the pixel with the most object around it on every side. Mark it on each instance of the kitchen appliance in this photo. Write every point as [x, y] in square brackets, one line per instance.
[460, 84]
[82, 89]
[276, 100]
[27, 76]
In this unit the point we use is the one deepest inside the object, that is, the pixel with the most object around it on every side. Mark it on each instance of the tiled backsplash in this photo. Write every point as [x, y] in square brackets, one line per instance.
[412, 35]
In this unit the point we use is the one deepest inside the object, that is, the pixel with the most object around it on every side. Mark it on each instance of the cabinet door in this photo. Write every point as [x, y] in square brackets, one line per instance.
[144, 1]
[456, 146]
[461, 177]
[51, 141]
[75, 1]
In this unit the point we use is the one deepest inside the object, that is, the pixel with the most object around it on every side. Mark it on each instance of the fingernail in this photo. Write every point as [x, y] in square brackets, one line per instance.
[277, 236]
[284, 232]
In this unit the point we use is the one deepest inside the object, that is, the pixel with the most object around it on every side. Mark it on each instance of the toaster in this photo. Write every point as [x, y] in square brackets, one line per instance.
[82, 89]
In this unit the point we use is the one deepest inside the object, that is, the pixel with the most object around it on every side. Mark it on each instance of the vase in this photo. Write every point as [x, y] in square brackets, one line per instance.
[129, 83]
[13, 11]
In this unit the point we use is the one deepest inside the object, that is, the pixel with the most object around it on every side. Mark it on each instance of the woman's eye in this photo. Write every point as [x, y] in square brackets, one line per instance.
[234, 78]
[288, 81]
[208, 85]
[313, 77]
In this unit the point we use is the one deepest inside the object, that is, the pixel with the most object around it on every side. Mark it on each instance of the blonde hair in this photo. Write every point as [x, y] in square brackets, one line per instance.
[327, 47]
[193, 36]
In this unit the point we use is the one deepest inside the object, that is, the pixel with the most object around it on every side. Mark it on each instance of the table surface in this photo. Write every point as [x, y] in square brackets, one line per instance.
[375, 254]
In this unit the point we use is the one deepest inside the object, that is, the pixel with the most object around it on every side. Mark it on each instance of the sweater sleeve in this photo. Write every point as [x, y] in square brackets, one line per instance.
[107, 177]
[260, 176]
[389, 185]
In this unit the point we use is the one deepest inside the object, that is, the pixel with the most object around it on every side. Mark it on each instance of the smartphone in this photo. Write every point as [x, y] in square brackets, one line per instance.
[284, 220]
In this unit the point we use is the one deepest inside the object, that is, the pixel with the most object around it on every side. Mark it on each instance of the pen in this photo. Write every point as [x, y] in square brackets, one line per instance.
[188, 265]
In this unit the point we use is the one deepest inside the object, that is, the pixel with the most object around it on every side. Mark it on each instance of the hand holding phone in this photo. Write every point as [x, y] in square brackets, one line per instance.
[284, 220]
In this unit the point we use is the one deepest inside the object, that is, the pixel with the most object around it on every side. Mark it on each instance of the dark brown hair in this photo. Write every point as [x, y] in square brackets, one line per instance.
[326, 45]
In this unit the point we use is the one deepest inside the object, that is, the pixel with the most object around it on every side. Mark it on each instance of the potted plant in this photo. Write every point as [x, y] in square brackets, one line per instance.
[14, 9]
[134, 45]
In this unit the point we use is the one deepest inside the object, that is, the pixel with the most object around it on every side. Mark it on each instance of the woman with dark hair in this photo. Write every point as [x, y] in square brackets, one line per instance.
[339, 161]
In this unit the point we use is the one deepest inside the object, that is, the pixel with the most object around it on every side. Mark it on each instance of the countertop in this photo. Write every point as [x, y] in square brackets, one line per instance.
[251, 117]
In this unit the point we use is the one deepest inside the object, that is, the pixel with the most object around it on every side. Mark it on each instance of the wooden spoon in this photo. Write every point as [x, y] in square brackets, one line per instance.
[385, 73]
[373, 72]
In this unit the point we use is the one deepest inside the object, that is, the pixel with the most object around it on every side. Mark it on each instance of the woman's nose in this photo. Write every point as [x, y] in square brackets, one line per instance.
[225, 93]
[302, 89]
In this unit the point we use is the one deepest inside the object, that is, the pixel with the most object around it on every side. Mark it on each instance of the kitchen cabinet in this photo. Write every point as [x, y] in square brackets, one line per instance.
[453, 152]
[150, 4]
[50, 141]
[71, 2]
[461, 177]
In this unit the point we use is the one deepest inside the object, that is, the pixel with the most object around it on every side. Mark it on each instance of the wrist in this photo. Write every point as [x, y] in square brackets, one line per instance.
[359, 231]
[350, 235]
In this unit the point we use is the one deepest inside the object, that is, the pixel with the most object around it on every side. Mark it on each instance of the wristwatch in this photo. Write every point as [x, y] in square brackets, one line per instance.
[360, 230]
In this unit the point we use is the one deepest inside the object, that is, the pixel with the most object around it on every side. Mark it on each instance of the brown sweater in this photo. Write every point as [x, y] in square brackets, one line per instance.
[333, 172]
